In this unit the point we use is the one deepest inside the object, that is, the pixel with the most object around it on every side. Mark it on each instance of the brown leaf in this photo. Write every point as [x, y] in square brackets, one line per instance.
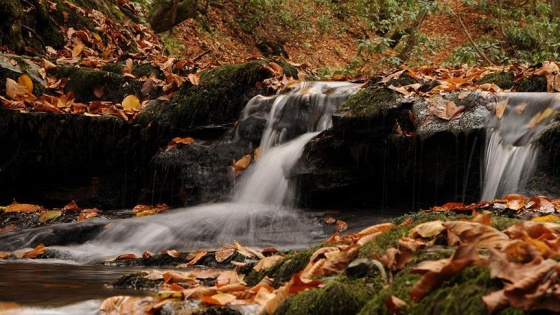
[427, 230]
[501, 107]
[195, 257]
[483, 218]
[267, 262]
[222, 255]
[98, 90]
[436, 272]
[39, 250]
[17, 91]
[218, 299]
[515, 201]
[394, 304]
[88, 214]
[126, 256]
[479, 235]
[171, 252]
[242, 163]
[194, 78]
[341, 225]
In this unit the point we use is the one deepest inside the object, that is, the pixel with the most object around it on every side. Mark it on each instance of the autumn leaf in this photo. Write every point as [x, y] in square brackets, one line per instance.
[218, 299]
[131, 102]
[427, 230]
[394, 304]
[341, 225]
[22, 207]
[501, 107]
[436, 272]
[17, 91]
[39, 250]
[329, 220]
[267, 262]
[479, 235]
[222, 255]
[242, 163]
[26, 81]
[194, 78]
[50, 215]
[195, 257]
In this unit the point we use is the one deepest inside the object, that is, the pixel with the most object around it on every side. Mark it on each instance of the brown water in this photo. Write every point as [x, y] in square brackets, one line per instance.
[38, 284]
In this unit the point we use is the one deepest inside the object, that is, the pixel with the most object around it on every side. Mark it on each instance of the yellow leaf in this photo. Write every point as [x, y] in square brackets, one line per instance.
[26, 81]
[218, 299]
[546, 218]
[15, 90]
[131, 102]
[49, 215]
[545, 114]
[78, 48]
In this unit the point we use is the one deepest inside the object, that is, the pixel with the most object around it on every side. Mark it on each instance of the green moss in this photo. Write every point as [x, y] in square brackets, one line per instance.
[136, 281]
[138, 70]
[502, 79]
[401, 285]
[219, 98]
[283, 270]
[340, 296]
[460, 295]
[501, 223]
[378, 246]
[369, 102]
[531, 84]
[83, 81]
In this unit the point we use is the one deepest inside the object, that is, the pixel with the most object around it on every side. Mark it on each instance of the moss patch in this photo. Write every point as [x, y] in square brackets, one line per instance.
[369, 102]
[340, 296]
[283, 270]
[136, 281]
[502, 79]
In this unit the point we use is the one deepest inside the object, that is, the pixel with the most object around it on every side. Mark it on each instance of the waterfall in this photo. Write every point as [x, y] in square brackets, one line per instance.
[302, 113]
[261, 213]
[511, 152]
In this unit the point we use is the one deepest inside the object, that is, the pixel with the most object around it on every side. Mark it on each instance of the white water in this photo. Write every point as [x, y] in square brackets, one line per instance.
[262, 212]
[511, 152]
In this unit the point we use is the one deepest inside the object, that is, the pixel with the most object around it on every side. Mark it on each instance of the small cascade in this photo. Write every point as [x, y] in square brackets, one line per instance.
[303, 112]
[261, 213]
[511, 151]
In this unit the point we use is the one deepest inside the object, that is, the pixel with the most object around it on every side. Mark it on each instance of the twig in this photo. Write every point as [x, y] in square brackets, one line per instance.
[201, 55]
[480, 52]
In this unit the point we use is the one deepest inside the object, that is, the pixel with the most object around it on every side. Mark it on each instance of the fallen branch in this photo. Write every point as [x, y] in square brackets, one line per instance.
[480, 52]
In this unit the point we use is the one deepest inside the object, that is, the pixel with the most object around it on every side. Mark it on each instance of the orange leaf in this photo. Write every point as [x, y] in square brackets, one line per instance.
[436, 272]
[126, 256]
[193, 258]
[39, 250]
[242, 163]
[222, 255]
[22, 207]
[341, 225]
[267, 262]
[515, 201]
[186, 140]
[26, 81]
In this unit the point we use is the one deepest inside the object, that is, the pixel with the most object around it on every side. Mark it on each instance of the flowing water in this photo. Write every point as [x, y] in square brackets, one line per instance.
[511, 150]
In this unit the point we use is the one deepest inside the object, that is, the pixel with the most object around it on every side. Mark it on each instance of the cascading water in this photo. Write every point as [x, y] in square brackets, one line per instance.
[511, 151]
[261, 212]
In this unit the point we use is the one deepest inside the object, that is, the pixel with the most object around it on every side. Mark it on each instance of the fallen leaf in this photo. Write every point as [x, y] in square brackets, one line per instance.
[131, 102]
[195, 257]
[501, 107]
[222, 255]
[50, 215]
[341, 225]
[23, 207]
[26, 81]
[515, 201]
[194, 78]
[394, 304]
[427, 230]
[39, 250]
[242, 163]
[267, 262]
[436, 272]
[479, 235]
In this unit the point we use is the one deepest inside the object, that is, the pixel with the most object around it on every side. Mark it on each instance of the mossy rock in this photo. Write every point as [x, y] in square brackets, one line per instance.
[136, 281]
[502, 79]
[339, 296]
[283, 270]
[219, 98]
[369, 102]
[531, 84]
[138, 70]
[83, 83]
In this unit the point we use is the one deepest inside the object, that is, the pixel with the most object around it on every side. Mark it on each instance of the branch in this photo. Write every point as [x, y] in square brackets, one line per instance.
[480, 52]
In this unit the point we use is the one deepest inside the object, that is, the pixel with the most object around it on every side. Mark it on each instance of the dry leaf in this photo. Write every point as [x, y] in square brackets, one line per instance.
[194, 78]
[501, 107]
[26, 81]
[224, 254]
[267, 262]
[242, 163]
[427, 230]
[131, 102]
[341, 225]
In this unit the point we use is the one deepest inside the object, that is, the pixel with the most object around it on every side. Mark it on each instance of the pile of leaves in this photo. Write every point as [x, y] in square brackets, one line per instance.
[17, 216]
